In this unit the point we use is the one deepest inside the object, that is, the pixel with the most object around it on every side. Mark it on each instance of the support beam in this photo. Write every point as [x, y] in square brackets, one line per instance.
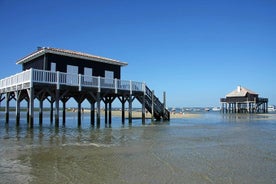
[129, 110]
[143, 109]
[64, 99]
[110, 112]
[17, 107]
[123, 112]
[130, 100]
[79, 99]
[31, 107]
[57, 108]
[98, 109]
[92, 113]
[51, 100]
[28, 108]
[40, 111]
[105, 112]
[92, 98]
[79, 113]
[123, 100]
[51, 111]
[63, 111]
[7, 108]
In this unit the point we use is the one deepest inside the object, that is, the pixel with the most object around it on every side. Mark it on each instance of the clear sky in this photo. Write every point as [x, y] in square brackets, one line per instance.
[197, 51]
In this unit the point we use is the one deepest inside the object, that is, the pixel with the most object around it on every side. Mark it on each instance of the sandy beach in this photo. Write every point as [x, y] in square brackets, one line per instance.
[138, 114]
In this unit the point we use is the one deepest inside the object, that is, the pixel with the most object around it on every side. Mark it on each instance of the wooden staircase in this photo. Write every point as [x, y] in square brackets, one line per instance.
[160, 112]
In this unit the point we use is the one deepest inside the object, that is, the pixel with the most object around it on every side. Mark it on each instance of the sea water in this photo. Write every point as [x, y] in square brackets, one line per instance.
[212, 148]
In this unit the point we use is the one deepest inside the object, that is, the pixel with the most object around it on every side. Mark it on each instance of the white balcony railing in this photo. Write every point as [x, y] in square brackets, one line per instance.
[32, 76]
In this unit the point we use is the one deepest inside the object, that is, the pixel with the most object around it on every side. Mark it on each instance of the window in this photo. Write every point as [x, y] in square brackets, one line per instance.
[109, 76]
[53, 67]
[72, 69]
[88, 74]
[72, 75]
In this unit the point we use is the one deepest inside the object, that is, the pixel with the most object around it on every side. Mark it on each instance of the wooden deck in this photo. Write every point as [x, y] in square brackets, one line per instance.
[58, 86]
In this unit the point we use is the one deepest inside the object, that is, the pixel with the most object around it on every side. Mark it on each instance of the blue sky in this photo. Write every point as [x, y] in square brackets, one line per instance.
[197, 51]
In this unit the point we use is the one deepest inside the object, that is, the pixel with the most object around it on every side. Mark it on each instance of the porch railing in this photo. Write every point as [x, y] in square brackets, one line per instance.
[32, 76]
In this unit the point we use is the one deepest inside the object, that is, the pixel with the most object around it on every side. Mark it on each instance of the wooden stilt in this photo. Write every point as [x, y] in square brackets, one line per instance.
[31, 107]
[129, 109]
[110, 100]
[123, 110]
[7, 108]
[40, 111]
[92, 100]
[51, 109]
[57, 108]
[105, 112]
[79, 99]
[17, 108]
[92, 113]
[123, 100]
[110, 112]
[143, 110]
[79, 113]
[98, 108]
[64, 99]
[63, 112]
[28, 108]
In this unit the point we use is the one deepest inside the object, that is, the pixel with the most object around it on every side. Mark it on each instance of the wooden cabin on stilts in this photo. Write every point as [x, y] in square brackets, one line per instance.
[243, 100]
[57, 75]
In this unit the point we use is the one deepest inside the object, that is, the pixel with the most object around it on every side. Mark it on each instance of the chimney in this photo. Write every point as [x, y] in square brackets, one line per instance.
[239, 88]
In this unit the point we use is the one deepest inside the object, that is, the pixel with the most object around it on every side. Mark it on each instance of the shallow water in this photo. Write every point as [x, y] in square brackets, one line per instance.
[214, 148]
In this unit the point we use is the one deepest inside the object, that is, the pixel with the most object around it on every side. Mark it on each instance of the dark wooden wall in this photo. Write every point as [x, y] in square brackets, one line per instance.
[99, 68]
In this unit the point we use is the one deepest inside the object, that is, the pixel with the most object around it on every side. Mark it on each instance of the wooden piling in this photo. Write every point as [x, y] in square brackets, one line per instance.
[7, 108]
[57, 108]
[40, 111]
[129, 110]
[63, 111]
[79, 113]
[92, 113]
[31, 107]
[143, 109]
[17, 107]
[98, 108]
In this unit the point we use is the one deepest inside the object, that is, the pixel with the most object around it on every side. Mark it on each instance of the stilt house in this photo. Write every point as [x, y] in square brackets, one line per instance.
[243, 100]
[57, 75]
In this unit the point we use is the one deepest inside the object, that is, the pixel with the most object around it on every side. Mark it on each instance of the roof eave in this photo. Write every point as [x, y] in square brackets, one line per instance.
[31, 57]
[44, 51]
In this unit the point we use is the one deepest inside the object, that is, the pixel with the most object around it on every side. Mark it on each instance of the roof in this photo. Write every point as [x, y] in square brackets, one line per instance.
[43, 50]
[240, 92]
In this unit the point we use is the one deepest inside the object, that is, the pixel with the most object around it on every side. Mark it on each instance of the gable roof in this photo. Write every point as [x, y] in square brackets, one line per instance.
[240, 92]
[43, 50]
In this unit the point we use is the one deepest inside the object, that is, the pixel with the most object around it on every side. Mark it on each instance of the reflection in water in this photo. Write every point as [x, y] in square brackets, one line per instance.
[210, 149]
